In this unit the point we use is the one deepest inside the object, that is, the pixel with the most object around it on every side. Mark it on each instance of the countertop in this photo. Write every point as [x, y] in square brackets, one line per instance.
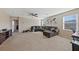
[75, 42]
[76, 34]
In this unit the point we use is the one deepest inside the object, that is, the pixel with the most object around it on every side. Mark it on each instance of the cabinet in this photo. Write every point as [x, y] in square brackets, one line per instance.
[75, 47]
[4, 35]
[75, 42]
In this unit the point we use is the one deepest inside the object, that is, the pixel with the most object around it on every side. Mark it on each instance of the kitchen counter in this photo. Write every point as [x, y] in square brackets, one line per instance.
[76, 34]
[75, 42]
[4, 35]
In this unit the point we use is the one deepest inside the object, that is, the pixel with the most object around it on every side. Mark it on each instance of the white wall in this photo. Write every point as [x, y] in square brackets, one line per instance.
[5, 21]
[28, 21]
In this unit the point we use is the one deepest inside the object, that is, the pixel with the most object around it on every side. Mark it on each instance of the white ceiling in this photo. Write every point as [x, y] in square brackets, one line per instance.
[42, 12]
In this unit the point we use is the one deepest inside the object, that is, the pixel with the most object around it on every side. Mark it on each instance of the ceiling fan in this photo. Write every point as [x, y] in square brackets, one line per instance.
[33, 14]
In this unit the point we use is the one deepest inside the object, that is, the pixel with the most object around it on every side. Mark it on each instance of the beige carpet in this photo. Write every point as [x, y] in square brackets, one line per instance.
[32, 41]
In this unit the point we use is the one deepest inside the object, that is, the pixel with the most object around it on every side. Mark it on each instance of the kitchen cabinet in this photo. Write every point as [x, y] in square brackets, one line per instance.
[5, 35]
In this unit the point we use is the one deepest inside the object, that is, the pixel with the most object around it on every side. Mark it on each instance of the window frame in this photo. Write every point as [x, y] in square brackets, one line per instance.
[76, 22]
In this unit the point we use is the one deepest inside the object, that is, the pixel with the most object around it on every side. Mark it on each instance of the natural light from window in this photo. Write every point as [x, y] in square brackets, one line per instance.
[70, 22]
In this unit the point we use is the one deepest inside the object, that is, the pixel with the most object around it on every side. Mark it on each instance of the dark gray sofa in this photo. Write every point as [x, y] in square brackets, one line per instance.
[48, 31]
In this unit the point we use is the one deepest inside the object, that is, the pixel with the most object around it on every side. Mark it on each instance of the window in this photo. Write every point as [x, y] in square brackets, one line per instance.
[70, 22]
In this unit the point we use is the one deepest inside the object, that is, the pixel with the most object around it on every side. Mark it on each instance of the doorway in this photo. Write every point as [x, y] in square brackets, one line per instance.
[15, 25]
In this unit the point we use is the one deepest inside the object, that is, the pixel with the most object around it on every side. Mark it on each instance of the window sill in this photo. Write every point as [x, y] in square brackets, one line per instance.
[67, 30]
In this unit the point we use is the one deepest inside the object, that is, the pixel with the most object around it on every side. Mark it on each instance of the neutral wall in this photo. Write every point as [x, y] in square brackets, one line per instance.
[27, 21]
[5, 21]
[59, 24]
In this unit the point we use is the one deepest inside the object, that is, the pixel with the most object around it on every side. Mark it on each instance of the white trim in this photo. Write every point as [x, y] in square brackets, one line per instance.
[76, 22]
[63, 23]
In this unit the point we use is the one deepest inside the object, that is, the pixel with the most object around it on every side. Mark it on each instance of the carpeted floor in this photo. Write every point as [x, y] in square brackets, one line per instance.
[35, 41]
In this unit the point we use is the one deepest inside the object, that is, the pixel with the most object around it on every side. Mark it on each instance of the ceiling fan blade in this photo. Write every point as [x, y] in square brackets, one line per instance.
[33, 14]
